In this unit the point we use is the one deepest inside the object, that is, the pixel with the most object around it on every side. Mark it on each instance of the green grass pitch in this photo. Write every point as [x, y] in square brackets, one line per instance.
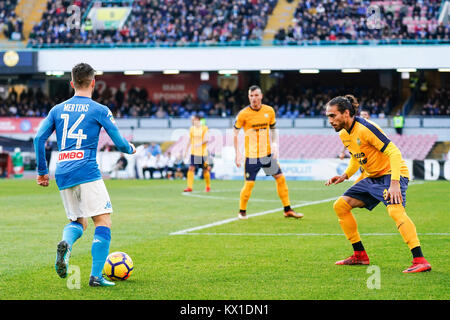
[264, 257]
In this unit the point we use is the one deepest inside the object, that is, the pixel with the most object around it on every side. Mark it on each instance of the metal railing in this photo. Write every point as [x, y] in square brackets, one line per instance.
[246, 43]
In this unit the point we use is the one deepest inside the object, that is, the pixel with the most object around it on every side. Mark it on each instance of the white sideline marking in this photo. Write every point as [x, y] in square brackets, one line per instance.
[221, 222]
[190, 194]
[305, 234]
[218, 223]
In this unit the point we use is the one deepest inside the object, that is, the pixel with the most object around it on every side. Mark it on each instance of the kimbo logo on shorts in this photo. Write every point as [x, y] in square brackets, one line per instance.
[70, 155]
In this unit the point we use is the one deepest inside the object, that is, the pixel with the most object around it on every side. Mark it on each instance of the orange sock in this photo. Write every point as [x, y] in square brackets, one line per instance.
[190, 179]
[246, 192]
[283, 191]
[347, 220]
[404, 225]
[207, 177]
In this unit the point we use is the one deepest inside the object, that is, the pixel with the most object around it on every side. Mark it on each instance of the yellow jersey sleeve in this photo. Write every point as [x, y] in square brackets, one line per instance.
[240, 120]
[395, 159]
[273, 120]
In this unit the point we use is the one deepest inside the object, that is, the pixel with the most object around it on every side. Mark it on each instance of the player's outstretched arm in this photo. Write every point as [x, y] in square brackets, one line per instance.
[353, 166]
[107, 121]
[274, 143]
[336, 179]
[45, 130]
[238, 159]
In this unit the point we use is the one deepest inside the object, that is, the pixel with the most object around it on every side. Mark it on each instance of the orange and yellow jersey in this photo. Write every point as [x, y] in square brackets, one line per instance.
[198, 136]
[371, 149]
[256, 125]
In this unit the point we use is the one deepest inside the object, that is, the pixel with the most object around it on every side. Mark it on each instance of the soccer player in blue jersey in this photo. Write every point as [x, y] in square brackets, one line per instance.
[77, 123]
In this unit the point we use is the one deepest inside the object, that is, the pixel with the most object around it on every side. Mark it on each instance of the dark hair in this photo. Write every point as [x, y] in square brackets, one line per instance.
[347, 102]
[82, 75]
[254, 87]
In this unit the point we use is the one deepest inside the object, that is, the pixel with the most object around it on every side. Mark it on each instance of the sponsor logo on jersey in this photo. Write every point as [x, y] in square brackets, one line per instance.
[71, 155]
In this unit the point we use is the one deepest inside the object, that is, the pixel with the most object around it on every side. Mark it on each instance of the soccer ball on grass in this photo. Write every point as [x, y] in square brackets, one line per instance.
[118, 266]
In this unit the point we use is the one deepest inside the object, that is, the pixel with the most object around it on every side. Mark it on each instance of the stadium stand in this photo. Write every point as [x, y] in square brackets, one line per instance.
[29, 103]
[215, 22]
[160, 23]
[299, 102]
[438, 103]
[289, 103]
[11, 26]
[345, 21]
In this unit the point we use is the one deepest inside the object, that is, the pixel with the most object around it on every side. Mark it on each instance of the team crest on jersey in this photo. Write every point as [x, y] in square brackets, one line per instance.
[110, 116]
[358, 141]
[266, 115]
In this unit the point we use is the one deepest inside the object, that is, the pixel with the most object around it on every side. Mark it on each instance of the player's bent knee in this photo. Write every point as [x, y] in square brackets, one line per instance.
[396, 212]
[352, 202]
[341, 206]
[247, 189]
[102, 220]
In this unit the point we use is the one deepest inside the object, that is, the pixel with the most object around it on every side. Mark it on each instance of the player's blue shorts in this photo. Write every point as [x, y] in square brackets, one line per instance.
[268, 164]
[373, 190]
[199, 161]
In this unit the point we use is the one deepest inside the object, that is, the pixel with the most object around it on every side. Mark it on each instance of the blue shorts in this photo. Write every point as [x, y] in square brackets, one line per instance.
[268, 164]
[373, 190]
[199, 161]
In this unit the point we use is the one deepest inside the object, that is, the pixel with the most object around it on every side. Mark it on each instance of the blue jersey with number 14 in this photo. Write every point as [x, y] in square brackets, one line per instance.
[77, 122]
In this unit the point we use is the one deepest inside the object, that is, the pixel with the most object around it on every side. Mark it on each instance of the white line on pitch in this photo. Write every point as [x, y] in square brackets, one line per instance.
[304, 234]
[188, 194]
[218, 223]
[221, 222]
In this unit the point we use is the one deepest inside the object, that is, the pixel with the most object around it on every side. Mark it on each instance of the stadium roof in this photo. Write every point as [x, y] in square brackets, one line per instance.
[249, 58]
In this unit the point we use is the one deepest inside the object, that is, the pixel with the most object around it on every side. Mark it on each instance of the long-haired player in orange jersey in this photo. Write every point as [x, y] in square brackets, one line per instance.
[385, 179]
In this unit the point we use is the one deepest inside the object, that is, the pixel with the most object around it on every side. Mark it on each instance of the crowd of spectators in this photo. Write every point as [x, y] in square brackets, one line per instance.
[212, 22]
[11, 26]
[159, 22]
[135, 103]
[300, 102]
[353, 20]
[438, 103]
[292, 102]
[29, 103]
